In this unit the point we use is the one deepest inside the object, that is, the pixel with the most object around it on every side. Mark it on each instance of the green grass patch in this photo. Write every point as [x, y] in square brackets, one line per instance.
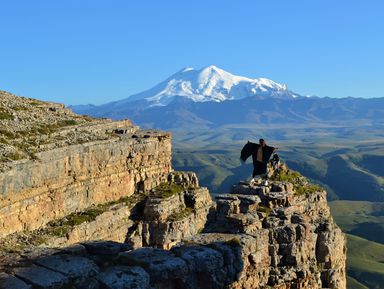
[307, 189]
[235, 242]
[48, 129]
[300, 183]
[85, 117]
[35, 102]
[166, 190]
[288, 176]
[3, 140]
[12, 248]
[264, 209]
[58, 231]
[63, 226]
[180, 214]
[67, 122]
[19, 108]
[23, 133]
[17, 243]
[15, 156]
[5, 114]
[87, 216]
[7, 134]
[11, 156]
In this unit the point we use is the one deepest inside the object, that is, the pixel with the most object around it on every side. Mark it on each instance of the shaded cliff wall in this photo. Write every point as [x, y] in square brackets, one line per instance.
[72, 178]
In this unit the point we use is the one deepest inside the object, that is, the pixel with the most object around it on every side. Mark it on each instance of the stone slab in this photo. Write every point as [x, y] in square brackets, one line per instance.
[124, 277]
[11, 282]
[42, 278]
[71, 266]
[160, 264]
[105, 247]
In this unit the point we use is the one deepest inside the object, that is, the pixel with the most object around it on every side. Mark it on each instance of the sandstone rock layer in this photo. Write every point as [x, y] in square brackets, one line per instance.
[70, 179]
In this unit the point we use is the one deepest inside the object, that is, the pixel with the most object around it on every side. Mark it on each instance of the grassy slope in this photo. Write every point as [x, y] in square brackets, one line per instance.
[365, 262]
[365, 220]
[354, 284]
[360, 218]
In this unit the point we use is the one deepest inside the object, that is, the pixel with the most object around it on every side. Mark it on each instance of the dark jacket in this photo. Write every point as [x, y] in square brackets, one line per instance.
[250, 149]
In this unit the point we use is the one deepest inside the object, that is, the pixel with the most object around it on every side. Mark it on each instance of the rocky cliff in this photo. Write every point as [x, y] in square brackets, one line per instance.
[63, 163]
[107, 211]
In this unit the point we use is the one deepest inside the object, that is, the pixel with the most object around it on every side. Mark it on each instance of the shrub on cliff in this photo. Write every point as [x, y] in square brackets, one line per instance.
[166, 190]
[300, 183]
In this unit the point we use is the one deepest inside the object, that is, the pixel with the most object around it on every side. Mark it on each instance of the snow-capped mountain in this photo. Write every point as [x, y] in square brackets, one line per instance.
[210, 84]
[211, 97]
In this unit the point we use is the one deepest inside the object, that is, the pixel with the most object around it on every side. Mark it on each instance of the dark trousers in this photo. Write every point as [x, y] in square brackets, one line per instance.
[259, 168]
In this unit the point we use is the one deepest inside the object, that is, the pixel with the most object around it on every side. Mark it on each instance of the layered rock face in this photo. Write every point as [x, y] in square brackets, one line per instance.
[54, 162]
[72, 178]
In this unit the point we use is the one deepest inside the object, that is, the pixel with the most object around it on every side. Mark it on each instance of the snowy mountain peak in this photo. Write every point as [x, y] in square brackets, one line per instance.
[213, 70]
[186, 69]
[211, 84]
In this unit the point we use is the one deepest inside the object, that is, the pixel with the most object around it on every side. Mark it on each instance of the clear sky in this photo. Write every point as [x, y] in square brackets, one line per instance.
[92, 51]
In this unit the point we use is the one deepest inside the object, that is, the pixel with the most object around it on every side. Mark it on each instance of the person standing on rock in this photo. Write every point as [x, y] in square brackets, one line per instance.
[261, 153]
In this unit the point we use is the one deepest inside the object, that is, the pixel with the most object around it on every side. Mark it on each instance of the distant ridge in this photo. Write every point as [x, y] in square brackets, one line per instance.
[211, 97]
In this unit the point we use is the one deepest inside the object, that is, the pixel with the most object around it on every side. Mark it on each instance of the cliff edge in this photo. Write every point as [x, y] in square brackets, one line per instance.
[108, 211]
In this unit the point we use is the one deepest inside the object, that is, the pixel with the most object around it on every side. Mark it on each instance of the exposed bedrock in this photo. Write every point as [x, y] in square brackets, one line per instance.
[256, 236]
[73, 178]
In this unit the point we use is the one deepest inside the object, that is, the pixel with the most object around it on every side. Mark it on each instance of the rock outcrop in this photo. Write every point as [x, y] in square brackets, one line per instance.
[170, 216]
[255, 236]
[110, 213]
[284, 233]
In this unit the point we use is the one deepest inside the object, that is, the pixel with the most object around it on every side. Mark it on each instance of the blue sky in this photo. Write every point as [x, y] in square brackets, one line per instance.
[79, 51]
